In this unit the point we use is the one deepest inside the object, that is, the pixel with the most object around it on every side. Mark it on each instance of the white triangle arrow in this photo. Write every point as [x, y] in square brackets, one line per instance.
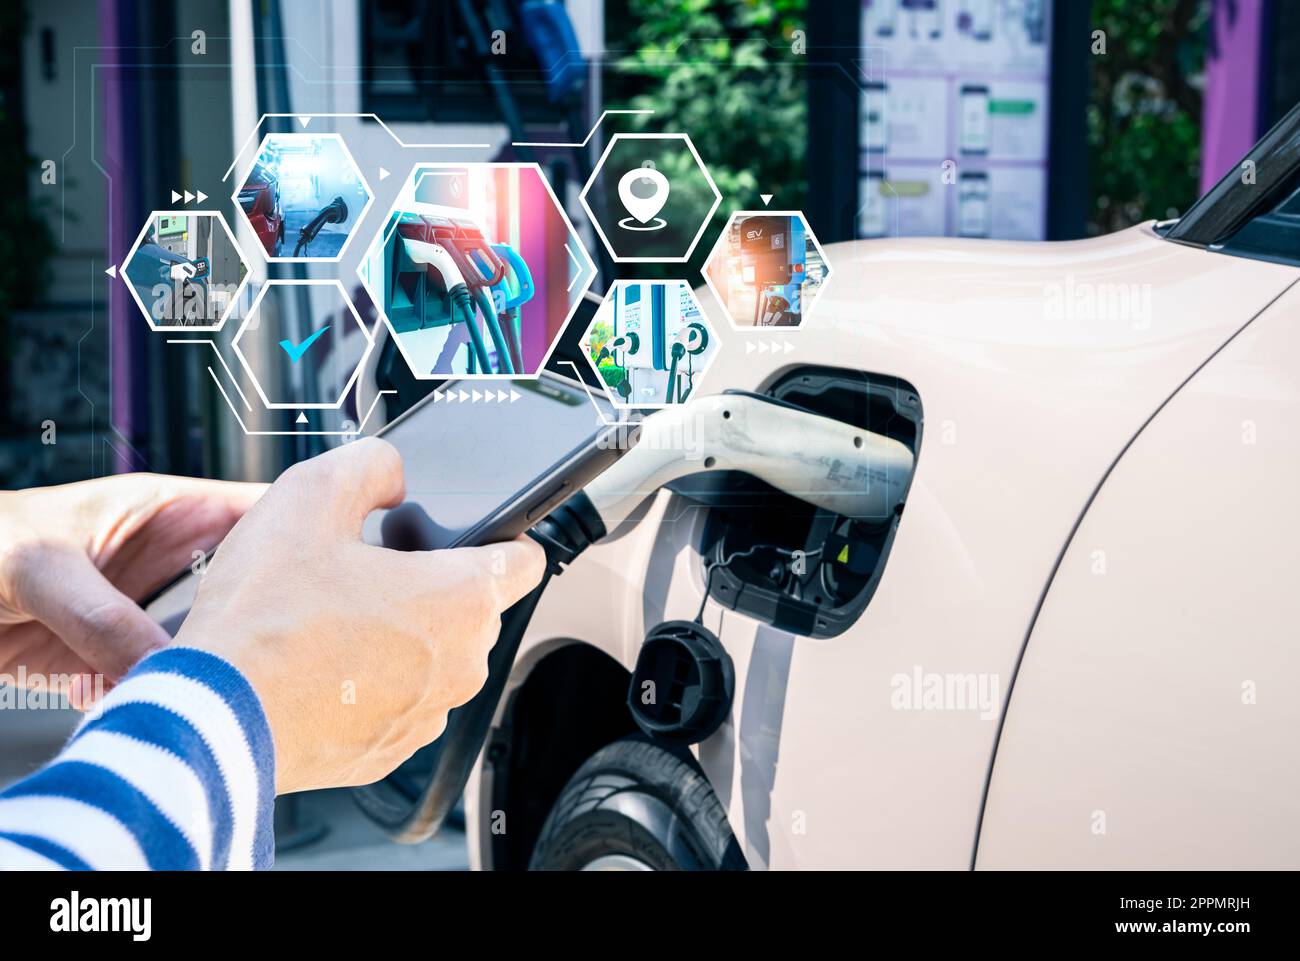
[514, 395]
[749, 347]
[201, 196]
[302, 417]
[476, 396]
[383, 174]
[437, 396]
[188, 196]
[463, 396]
[763, 348]
[112, 271]
[175, 196]
[767, 199]
[788, 346]
[304, 120]
[501, 395]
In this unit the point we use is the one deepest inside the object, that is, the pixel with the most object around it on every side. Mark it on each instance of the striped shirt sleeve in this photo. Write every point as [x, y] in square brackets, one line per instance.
[174, 770]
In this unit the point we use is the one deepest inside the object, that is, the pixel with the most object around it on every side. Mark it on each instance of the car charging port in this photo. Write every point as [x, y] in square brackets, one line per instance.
[781, 560]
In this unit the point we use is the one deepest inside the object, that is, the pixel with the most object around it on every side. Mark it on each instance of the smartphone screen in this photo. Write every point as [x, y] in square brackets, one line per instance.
[974, 119]
[470, 464]
[875, 132]
[973, 205]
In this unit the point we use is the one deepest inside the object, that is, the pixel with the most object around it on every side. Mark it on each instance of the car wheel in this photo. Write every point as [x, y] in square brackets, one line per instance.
[637, 806]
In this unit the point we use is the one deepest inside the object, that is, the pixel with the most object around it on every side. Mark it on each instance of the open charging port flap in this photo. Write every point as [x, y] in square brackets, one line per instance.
[780, 560]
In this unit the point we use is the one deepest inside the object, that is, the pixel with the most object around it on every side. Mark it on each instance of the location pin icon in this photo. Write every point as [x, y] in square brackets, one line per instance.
[643, 208]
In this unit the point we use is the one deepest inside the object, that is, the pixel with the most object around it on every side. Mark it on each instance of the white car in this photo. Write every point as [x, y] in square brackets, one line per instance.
[1078, 644]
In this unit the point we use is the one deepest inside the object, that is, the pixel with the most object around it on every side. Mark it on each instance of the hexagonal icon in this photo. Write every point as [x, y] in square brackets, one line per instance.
[185, 270]
[476, 270]
[303, 196]
[650, 197]
[650, 343]
[303, 344]
[767, 269]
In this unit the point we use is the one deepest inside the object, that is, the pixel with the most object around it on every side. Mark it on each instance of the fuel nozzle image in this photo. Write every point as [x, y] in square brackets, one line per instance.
[472, 271]
[335, 212]
[305, 186]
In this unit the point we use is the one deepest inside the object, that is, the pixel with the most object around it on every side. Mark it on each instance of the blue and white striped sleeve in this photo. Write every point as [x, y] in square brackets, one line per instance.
[175, 770]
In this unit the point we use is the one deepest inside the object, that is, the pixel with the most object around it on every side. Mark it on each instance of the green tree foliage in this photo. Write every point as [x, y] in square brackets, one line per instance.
[1144, 118]
[722, 71]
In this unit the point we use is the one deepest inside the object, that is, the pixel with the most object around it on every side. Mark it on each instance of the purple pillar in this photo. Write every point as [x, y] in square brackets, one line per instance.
[1234, 86]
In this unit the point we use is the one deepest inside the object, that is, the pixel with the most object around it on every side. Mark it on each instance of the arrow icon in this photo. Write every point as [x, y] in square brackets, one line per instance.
[175, 196]
[188, 196]
[766, 198]
[514, 395]
[112, 271]
[302, 417]
[201, 196]
[304, 121]
[383, 174]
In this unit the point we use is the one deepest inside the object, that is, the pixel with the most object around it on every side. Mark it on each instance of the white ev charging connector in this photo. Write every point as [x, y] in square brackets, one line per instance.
[828, 463]
[440, 259]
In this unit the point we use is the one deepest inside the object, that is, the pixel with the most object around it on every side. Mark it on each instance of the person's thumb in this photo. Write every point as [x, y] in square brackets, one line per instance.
[60, 586]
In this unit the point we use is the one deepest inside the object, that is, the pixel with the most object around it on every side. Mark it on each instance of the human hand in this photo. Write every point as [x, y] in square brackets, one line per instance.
[75, 559]
[357, 652]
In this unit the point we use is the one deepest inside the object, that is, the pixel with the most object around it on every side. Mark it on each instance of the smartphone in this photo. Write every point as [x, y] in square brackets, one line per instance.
[974, 119]
[973, 205]
[479, 473]
[875, 130]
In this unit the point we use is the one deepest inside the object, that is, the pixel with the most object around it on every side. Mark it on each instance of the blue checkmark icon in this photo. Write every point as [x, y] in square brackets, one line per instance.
[295, 352]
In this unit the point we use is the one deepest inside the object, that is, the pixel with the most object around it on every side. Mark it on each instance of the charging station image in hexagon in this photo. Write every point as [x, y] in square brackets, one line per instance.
[303, 196]
[650, 197]
[302, 344]
[477, 270]
[650, 343]
[185, 270]
[767, 269]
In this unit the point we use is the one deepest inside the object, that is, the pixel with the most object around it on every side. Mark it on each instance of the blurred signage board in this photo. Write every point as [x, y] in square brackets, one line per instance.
[954, 118]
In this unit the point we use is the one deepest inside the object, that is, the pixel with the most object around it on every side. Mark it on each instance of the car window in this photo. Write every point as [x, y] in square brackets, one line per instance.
[1273, 235]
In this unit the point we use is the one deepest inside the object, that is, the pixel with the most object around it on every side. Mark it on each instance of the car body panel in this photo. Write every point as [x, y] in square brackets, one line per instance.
[1027, 402]
[1153, 719]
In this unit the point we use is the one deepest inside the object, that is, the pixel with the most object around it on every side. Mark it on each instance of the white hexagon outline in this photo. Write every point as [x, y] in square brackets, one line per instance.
[704, 224]
[234, 298]
[359, 220]
[252, 311]
[613, 399]
[807, 312]
[382, 237]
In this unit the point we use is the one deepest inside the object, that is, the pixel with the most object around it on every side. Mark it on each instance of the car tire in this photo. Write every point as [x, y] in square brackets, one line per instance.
[637, 805]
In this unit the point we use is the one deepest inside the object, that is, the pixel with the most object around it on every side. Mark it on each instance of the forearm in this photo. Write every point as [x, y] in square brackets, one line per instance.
[175, 771]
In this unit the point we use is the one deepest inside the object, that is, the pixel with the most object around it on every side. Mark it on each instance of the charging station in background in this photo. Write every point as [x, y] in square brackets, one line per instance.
[649, 320]
[773, 261]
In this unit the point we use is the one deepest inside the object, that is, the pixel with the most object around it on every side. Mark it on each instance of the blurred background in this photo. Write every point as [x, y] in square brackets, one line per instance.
[1099, 115]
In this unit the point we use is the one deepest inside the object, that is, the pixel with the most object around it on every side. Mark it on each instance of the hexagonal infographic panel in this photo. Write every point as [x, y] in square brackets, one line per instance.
[185, 270]
[297, 344]
[766, 269]
[650, 343]
[303, 196]
[650, 197]
[476, 270]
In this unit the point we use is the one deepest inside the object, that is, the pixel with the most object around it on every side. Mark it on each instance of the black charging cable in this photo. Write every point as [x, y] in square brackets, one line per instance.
[564, 534]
